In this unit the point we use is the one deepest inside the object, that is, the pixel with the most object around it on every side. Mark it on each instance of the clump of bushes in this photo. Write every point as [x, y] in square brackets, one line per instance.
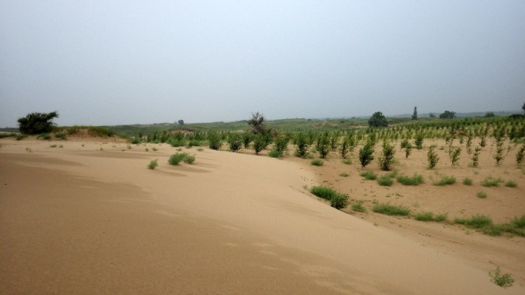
[416, 179]
[175, 159]
[391, 209]
[369, 175]
[358, 207]
[337, 200]
[429, 216]
[446, 180]
[490, 181]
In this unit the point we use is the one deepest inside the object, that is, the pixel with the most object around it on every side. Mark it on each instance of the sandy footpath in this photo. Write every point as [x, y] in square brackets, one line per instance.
[90, 218]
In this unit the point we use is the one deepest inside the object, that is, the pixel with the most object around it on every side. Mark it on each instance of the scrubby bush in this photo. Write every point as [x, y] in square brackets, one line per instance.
[153, 164]
[391, 209]
[369, 175]
[511, 183]
[502, 280]
[235, 142]
[61, 136]
[366, 154]
[419, 141]
[259, 144]
[337, 200]
[467, 181]
[476, 221]
[358, 207]
[385, 180]
[378, 120]
[454, 155]
[386, 159]
[446, 180]
[189, 159]
[274, 154]
[432, 157]
[317, 162]
[175, 159]
[37, 123]
[416, 179]
[301, 145]
[491, 181]
[424, 216]
[481, 195]
[214, 141]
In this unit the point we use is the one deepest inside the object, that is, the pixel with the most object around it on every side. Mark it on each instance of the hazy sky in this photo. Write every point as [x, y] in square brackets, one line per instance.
[125, 62]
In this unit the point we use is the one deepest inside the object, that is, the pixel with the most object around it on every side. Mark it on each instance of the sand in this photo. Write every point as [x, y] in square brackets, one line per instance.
[90, 218]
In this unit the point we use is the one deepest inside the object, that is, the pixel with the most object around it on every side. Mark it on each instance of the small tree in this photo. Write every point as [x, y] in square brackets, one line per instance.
[301, 143]
[419, 141]
[454, 155]
[37, 123]
[489, 115]
[386, 159]
[378, 120]
[432, 115]
[259, 143]
[235, 141]
[214, 141]
[432, 157]
[447, 115]
[181, 122]
[414, 115]
[257, 123]
[366, 154]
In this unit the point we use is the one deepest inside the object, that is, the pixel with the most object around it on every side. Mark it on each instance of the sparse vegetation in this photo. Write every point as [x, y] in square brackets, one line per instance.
[369, 175]
[358, 207]
[481, 194]
[502, 280]
[337, 200]
[386, 159]
[446, 180]
[391, 209]
[317, 162]
[175, 159]
[511, 183]
[416, 179]
[491, 181]
[385, 180]
[467, 181]
[153, 164]
[366, 154]
[432, 157]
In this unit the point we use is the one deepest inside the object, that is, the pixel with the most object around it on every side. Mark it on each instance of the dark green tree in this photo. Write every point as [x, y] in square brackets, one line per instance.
[489, 115]
[37, 123]
[377, 120]
[447, 115]
[257, 123]
[414, 115]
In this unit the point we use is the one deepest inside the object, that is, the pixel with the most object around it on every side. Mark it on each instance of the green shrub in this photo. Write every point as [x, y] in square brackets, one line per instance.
[385, 180]
[358, 207]
[432, 157]
[193, 142]
[175, 159]
[45, 136]
[520, 155]
[511, 183]
[20, 136]
[317, 162]
[347, 161]
[301, 145]
[454, 155]
[281, 144]
[391, 209]
[416, 179]
[502, 280]
[176, 142]
[214, 141]
[339, 201]
[446, 180]
[419, 141]
[424, 216]
[481, 195]
[153, 164]
[490, 181]
[476, 221]
[386, 159]
[408, 150]
[61, 135]
[369, 175]
[440, 217]
[188, 159]
[235, 142]
[366, 154]
[274, 154]
[37, 123]
[343, 174]
[324, 192]
[259, 143]
[467, 181]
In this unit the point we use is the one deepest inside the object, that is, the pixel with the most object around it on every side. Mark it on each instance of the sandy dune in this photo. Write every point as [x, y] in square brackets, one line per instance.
[81, 220]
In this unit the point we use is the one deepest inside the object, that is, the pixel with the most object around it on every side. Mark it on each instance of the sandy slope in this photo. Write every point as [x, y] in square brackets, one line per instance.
[80, 220]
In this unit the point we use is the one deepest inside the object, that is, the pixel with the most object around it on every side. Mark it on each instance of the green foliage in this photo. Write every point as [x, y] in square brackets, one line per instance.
[281, 143]
[511, 183]
[259, 144]
[175, 159]
[344, 174]
[424, 216]
[385, 180]
[447, 115]
[235, 142]
[337, 200]
[257, 123]
[214, 141]
[45, 136]
[467, 181]
[391, 209]
[386, 159]
[369, 175]
[414, 115]
[274, 154]
[347, 161]
[301, 145]
[153, 164]
[366, 154]
[247, 138]
[317, 162]
[378, 120]
[4, 135]
[358, 207]
[416, 179]
[502, 280]
[323, 145]
[37, 123]
[476, 221]
[344, 149]
[475, 157]
[481, 194]
[520, 155]
[61, 136]
[490, 181]
[419, 141]
[408, 150]
[454, 155]
[432, 157]
[446, 180]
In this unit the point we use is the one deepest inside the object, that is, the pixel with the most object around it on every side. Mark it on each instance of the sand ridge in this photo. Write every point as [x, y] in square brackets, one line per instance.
[230, 223]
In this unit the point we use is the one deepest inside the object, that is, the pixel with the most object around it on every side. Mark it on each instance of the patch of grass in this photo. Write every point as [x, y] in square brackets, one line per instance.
[45, 136]
[337, 200]
[446, 180]
[344, 174]
[416, 179]
[317, 162]
[189, 159]
[490, 181]
[502, 280]
[391, 209]
[358, 207]
[369, 175]
[476, 221]
[175, 159]
[424, 216]
[441, 217]
[153, 164]
[385, 180]
[481, 195]
[274, 154]
[511, 183]
[467, 181]
[347, 161]
[200, 149]
[60, 135]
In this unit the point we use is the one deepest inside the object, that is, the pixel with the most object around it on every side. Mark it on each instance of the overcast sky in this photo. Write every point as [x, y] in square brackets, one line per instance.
[125, 62]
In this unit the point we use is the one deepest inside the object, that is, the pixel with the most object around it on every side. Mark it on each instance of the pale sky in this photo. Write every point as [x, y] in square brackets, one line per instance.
[126, 62]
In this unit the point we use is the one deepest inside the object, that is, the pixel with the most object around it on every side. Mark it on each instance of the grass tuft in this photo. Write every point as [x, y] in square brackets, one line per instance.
[153, 164]
[369, 175]
[446, 180]
[511, 183]
[391, 209]
[358, 207]
[317, 162]
[337, 200]
[416, 179]
[490, 181]
[476, 221]
[385, 180]
[481, 195]
[467, 181]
